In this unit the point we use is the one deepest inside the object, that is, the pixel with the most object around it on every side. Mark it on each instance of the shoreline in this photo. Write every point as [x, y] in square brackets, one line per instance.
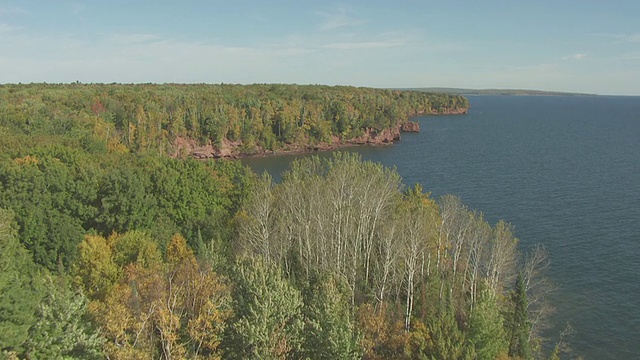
[308, 150]
[230, 150]
[218, 154]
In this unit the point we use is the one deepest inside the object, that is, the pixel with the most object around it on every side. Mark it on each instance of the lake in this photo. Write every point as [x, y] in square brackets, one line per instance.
[565, 171]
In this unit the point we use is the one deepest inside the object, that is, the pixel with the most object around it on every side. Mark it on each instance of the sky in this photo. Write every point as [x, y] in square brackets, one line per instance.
[575, 46]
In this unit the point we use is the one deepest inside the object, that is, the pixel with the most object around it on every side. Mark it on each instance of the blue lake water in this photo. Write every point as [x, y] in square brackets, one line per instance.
[565, 171]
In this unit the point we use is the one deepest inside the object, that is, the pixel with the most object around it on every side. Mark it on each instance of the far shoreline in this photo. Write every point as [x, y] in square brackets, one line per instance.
[497, 92]
[386, 137]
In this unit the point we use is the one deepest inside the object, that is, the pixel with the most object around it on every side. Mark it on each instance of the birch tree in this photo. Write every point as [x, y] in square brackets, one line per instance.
[538, 287]
[501, 262]
[257, 221]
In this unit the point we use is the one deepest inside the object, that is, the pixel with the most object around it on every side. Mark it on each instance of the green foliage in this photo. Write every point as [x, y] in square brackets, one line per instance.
[268, 319]
[427, 261]
[486, 328]
[149, 118]
[519, 322]
[63, 329]
[330, 331]
[96, 269]
[84, 169]
[51, 195]
[59, 194]
[125, 201]
[192, 195]
[447, 339]
[234, 179]
[20, 290]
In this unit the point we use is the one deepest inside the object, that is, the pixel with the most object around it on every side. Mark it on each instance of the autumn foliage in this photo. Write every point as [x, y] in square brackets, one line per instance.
[110, 249]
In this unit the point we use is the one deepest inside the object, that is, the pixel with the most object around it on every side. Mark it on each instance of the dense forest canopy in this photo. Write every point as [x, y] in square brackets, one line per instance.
[109, 248]
[149, 118]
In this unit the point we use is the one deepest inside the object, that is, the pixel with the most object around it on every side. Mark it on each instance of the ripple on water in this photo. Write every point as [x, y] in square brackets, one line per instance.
[565, 172]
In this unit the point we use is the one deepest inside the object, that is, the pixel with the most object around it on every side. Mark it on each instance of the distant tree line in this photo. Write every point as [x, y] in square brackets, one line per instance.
[148, 118]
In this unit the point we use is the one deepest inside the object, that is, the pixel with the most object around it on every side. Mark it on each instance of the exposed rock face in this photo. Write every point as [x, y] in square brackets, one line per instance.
[185, 147]
[372, 136]
[189, 147]
[451, 111]
[410, 126]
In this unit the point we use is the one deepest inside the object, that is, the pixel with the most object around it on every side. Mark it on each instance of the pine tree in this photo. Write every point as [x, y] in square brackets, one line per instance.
[447, 340]
[62, 329]
[267, 322]
[330, 332]
[486, 328]
[19, 290]
[519, 344]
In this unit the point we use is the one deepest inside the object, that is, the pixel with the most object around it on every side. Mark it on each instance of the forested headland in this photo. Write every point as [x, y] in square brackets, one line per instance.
[110, 248]
[215, 120]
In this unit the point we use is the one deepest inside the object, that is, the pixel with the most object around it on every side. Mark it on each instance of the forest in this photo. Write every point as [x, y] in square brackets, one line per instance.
[110, 247]
[158, 119]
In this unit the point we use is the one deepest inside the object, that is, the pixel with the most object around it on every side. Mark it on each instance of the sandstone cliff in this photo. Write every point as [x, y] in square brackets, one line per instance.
[184, 147]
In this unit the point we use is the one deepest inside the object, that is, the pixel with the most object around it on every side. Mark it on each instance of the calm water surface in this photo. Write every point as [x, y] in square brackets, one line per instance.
[565, 171]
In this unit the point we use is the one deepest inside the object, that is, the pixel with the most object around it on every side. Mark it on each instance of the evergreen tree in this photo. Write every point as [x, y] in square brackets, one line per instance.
[519, 343]
[448, 341]
[63, 329]
[329, 332]
[267, 322]
[19, 290]
[486, 328]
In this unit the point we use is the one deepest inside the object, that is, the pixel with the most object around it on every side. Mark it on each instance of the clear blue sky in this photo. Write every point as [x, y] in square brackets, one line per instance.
[581, 45]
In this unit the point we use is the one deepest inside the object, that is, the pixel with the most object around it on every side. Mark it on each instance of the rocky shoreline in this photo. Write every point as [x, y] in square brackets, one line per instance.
[233, 149]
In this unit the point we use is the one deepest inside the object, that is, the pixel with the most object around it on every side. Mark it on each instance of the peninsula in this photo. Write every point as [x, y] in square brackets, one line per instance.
[217, 121]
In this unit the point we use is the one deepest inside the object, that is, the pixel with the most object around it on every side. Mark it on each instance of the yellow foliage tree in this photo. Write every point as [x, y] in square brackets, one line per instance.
[171, 310]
